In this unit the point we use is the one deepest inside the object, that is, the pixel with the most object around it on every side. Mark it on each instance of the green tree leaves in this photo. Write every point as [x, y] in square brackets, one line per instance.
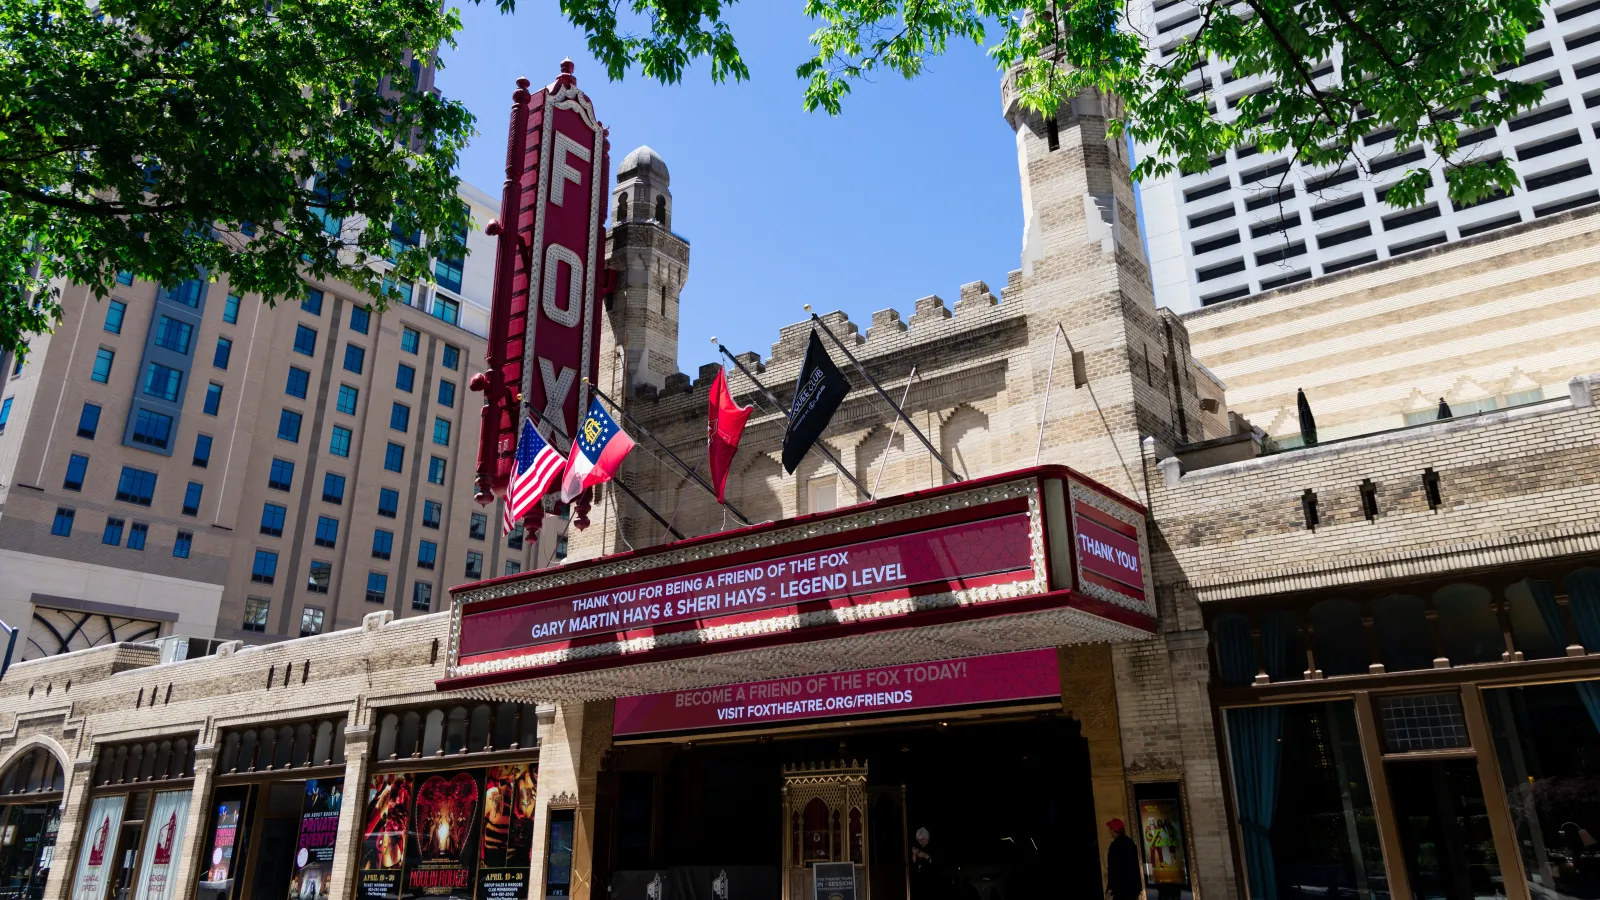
[167, 137]
[265, 139]
[1335, 73]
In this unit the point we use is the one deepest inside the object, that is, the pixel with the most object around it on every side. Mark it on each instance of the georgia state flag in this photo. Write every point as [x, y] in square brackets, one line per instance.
[596, 453]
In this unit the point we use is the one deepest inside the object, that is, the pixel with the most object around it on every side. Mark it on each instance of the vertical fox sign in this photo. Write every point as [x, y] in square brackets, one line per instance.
[549, 276]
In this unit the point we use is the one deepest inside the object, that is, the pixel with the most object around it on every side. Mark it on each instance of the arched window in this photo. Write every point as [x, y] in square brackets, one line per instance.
[266, 749]
[284, 757]
[1536, 626]
[456, 732]
[1405, 642]
[302, 746]
[433, 733]
[34, 771]
[247, 751]
[663, 299]
[622, 207]
[1236, 655]
[230, 753]
[478, 734]
[815, 844]
[388, 730]
[1467, 624]
[505, 726]
[322, 753]
[410, 734]
[182, 762]
[1583, 591]
[857, 841]
[661, 210]
[1340, 640]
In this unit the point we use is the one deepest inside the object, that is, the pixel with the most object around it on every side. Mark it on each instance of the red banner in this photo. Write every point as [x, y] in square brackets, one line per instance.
[1109, 553]
[1002, 678]
[769, 587]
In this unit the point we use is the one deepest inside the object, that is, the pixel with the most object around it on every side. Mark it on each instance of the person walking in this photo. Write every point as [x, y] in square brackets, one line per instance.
[1122, 865]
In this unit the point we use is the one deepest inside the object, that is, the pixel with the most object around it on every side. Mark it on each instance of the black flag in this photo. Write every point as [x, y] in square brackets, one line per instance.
[817, 394]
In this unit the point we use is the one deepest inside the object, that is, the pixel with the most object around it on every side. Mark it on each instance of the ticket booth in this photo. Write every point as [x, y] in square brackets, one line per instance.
[825, 819]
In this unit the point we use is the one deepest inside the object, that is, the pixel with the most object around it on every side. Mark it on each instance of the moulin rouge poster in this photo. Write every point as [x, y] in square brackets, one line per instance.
[463, 834]
[444, 821]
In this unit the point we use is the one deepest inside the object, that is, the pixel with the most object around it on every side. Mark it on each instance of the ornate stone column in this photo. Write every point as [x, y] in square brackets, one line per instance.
[554, 791]
[194, 841]
[347, 845]
[1089, 695]
[74, 809]
[570, 754]
[595, 740]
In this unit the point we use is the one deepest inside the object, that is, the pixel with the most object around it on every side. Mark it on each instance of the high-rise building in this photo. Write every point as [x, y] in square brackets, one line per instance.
[1256, 221]
[182, 460]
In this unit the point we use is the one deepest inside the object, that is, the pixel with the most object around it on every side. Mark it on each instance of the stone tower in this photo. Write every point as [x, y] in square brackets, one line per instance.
[653, 264]
[1083, 266]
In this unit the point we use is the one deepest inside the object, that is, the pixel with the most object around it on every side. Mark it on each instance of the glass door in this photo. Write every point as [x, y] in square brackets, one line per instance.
[1444, 827]
[1443, 823]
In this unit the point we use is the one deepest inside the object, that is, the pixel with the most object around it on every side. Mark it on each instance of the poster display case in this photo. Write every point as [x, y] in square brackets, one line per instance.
[133, 836]
[448, 809]
[1162, 836]
[272, 821]
[451, 834]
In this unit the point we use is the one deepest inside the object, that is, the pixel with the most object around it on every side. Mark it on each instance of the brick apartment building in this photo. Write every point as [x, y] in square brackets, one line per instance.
[183, 462]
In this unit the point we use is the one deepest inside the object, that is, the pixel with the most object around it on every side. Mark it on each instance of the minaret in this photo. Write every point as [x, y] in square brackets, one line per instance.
[639, 331]
[652, 265]
[1083, 267]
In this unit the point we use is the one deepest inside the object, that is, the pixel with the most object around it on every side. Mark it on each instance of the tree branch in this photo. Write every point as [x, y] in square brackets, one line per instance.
[1282, 41]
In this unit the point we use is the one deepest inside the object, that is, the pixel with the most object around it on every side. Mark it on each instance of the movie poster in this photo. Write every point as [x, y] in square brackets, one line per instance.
[224, 841]
[95, 859]
[458, 834]
[506, 846]
[163, 845]
[383, 843]
[1161, 827]
[319, 831]
[444, 831]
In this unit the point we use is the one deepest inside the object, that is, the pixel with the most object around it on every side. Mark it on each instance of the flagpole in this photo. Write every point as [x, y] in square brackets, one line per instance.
[1049, 381]
[675, 458]
[886, 447]
[816, 319]
[679, 505]
[861, 490]
[556, 427]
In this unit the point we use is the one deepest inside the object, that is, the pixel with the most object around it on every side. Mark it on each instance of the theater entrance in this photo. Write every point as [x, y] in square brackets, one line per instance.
[969, 809]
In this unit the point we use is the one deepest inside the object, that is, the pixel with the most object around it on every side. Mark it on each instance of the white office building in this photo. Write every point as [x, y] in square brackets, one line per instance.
[1256, 221]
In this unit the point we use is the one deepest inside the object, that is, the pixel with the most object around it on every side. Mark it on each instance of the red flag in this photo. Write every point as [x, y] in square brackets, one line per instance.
[724, 427]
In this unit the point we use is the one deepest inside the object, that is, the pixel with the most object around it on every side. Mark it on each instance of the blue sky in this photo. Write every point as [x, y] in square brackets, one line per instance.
[911, 191]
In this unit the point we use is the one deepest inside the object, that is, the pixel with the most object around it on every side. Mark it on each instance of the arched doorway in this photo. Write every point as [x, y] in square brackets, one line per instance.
[30, 790]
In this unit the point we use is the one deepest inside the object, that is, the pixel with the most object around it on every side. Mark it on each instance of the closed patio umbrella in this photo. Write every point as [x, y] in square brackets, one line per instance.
[1308, 422]
[1444, 409]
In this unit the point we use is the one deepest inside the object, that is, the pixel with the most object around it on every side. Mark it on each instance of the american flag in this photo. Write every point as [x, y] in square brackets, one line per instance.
[537, 463]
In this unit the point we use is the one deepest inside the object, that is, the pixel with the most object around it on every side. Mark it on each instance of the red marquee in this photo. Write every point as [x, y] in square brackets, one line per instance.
[549, 276]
